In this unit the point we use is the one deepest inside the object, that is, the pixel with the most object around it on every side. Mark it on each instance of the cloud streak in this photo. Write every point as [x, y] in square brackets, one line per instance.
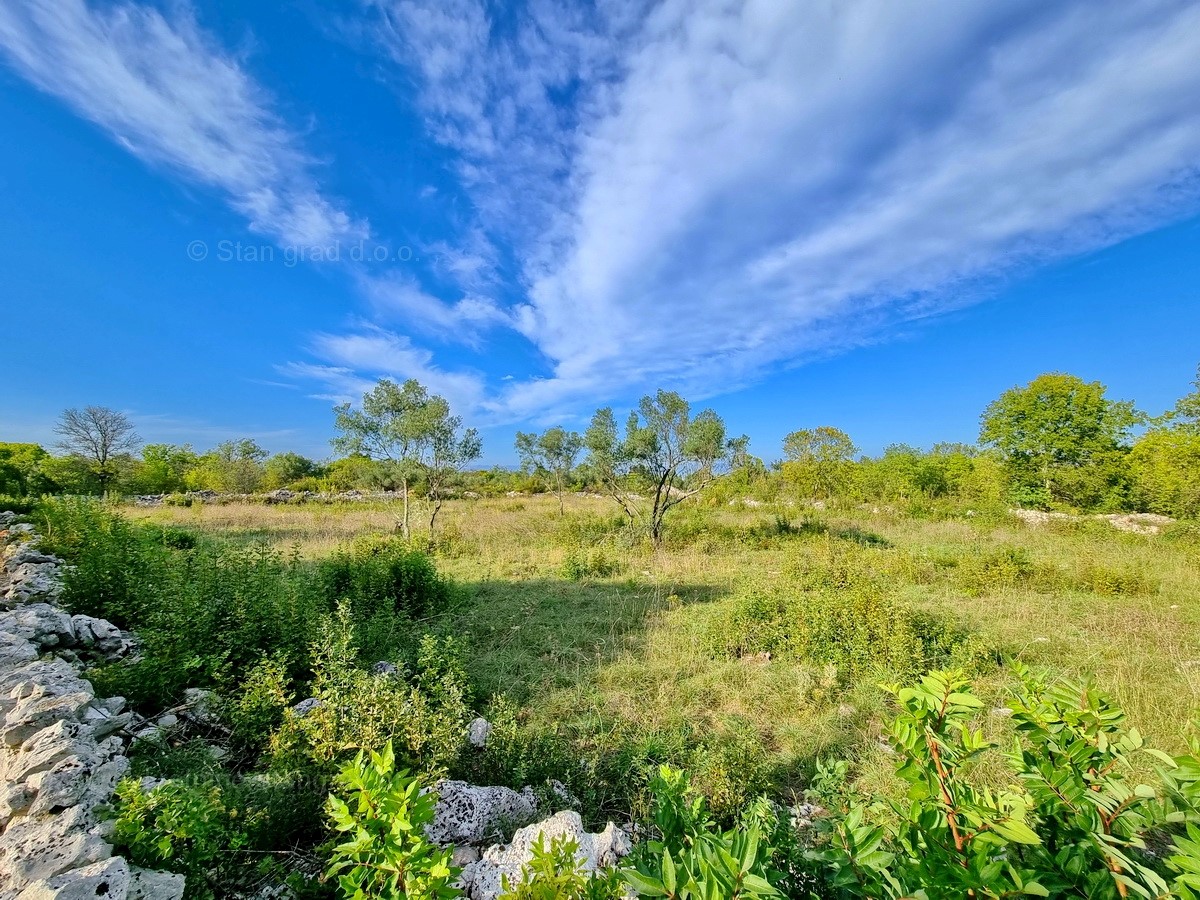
[167, 92]
[731, 188]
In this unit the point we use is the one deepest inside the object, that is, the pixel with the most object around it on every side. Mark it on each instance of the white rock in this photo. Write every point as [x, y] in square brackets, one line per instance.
[484, 880]
[478, 732]
[145, 884]
[108, 878]
[467, 814]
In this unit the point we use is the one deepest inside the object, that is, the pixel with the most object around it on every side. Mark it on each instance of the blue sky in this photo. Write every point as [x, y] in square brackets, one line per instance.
[223, 218]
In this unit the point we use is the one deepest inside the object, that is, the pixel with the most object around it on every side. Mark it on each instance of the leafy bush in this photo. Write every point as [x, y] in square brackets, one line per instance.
[555, 873]
[384, 573]
[689, 858]
[383, 818]
[19, 505]
[424, 717]
[858, 627]
[184, 827]
[594, 563]
[1071, 824]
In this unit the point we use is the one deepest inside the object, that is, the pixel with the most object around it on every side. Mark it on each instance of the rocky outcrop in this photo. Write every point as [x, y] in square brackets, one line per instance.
[467, 814]
[1137, 523]
[61, 746]
[484, 878]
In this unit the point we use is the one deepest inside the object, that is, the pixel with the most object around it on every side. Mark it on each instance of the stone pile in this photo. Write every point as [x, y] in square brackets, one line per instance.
[61, 747]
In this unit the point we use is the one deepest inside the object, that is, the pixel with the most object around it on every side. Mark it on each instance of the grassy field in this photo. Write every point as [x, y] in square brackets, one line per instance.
[579, 627]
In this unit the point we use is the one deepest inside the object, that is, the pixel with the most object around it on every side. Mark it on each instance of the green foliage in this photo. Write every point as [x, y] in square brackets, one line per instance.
[188, 828]
[423, 715]
[551, 453]
[1165, 466]
[22, 472]
[690, 859]
[1072, 823]
[855, 625]
[1062, 440]
[383, 817]
[675, 454]
[556, 873]
[376, 573]
[594, 563]
[818, 461]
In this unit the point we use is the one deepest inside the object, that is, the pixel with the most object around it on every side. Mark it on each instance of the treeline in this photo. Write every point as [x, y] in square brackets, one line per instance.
[1056, 443]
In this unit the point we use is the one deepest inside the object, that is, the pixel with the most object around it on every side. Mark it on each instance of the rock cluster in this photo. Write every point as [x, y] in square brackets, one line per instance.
[1137, 523]
[61, 747]
[469, 818]
[484, 878]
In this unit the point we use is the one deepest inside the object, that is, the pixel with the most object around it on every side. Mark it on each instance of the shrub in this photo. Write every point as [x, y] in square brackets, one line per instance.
[20, 505]
[424, 717]
[383, 817]
[858, 627]
[384, 573]
[593, 563]
[1071, 824]
[186, 827]
[556, 873]
[689, 859]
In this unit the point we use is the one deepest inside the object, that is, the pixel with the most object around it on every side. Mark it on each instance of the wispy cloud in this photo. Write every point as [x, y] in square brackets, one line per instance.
[162, 88]
[350, 364]
[719, 189]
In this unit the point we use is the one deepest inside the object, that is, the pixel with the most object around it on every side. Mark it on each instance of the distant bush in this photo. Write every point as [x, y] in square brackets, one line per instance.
[20, 505]
[594, 563]
[591, 529]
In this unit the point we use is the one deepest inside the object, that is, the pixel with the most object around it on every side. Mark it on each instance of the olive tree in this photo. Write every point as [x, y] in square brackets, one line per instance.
[96, 434]
[411, 429]
[678, 455]
[553, 452]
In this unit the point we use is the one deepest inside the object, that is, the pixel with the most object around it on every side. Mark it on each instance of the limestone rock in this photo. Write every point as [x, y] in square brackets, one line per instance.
[40, 623]
[484, 879]
[467, 814]
[478, 732]
[108, 878]
[145, 884]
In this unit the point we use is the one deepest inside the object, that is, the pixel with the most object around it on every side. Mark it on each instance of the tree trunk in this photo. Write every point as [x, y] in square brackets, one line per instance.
[404, 521]
[558, 483]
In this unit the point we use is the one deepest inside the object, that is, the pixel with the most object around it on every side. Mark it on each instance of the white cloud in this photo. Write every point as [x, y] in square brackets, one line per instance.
[351, 363]
[165, 91]
[720, 189]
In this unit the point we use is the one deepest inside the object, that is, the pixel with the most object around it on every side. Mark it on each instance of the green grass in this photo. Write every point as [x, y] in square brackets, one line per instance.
[582, 628]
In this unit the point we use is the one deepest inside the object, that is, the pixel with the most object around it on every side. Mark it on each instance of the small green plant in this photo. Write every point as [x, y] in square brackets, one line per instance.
[690, 859]
[383, 817]
[556, 873]
[1072, 823]
[188, 828]
[594, 563]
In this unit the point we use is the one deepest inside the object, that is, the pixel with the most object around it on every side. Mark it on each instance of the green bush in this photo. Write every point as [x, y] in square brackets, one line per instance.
[385, 573]
[555, 873]
[1073, 822]
[858, 627]
[594, 563]
[22, 506]
[383, 819]
[423, 716]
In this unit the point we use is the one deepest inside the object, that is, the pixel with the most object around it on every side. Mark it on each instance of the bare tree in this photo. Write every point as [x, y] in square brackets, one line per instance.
[97, 434]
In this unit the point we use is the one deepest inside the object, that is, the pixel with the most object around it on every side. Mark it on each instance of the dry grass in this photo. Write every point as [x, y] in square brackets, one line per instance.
[630, 645]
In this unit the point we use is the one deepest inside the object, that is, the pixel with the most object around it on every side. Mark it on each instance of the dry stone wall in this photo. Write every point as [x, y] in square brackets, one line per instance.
[61, 746]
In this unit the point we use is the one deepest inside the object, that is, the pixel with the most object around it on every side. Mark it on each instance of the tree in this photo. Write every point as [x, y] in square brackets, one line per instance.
[22, 470]
[412, 430]
[287, 468]
[164, 468]
[234, 467]
[675, 454]
[1186, 414]
[1062, 440]
[553, 452]
[450, 448]
[819, 459]
[96, 434]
